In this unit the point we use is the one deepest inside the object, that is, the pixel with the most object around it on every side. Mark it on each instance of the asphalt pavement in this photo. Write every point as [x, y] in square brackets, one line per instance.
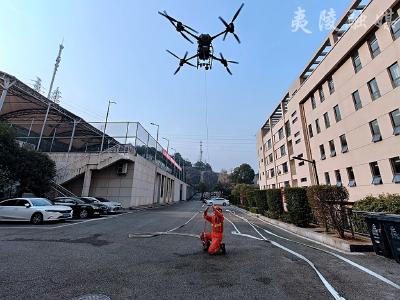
[119, 257]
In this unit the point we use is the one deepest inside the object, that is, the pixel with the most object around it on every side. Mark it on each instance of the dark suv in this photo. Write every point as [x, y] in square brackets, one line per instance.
[80, 208]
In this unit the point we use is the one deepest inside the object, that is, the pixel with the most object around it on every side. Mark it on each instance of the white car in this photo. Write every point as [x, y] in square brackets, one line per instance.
[35, 210]
[112, 206]
[218, 201]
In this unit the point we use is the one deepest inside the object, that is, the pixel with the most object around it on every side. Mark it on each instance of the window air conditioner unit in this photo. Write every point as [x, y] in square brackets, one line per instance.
[122, 168]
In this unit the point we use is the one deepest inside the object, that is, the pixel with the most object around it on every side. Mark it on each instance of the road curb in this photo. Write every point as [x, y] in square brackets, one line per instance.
[343, 245]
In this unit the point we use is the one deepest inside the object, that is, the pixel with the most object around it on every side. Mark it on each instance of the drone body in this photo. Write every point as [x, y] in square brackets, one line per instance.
[205, 50]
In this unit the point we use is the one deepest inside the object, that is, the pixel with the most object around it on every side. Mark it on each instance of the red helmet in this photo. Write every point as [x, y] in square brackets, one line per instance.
[217, 207]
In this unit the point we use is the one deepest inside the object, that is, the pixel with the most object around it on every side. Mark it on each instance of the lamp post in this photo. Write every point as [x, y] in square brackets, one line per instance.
[314, 164]
[105, 124]
[167, 144]
[158, 130]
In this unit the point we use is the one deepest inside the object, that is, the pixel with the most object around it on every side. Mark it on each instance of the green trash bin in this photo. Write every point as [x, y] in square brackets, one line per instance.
[391, 224]
[378, 236]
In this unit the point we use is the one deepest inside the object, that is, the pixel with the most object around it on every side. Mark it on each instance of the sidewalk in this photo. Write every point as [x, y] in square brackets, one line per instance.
[359, 244]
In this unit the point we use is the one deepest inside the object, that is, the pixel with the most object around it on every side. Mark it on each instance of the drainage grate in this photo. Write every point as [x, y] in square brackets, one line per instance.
[92, 297]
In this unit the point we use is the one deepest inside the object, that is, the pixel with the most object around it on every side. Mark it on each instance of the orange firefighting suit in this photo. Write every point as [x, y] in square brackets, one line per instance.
[217, 223]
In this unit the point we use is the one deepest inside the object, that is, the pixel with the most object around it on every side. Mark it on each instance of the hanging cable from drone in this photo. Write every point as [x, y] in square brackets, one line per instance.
[205, 49]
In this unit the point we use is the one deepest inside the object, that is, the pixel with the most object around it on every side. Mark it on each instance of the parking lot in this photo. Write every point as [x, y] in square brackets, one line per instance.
[156, 254]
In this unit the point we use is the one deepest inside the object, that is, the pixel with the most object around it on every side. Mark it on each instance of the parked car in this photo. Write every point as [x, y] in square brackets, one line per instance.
[95, 202]
[35, 210]
[218, 201]
[80, 208]
[112, 206]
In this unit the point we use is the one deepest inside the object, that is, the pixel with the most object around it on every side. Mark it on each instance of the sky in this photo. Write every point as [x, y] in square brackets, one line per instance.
[115, 50]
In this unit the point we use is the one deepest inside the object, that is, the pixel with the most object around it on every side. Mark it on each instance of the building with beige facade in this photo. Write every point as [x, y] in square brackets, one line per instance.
[343, 111]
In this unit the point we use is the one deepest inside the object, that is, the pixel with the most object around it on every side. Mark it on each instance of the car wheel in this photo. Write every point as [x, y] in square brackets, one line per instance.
[83, 214]
[224, 204]
[37, 218]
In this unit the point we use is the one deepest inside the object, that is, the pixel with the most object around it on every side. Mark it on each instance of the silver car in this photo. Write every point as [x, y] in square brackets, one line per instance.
[35, 210]
[218, 201]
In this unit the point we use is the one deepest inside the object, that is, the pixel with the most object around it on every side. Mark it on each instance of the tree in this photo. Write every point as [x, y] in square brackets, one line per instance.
[30, 171]
[243, 174]
[201, 188]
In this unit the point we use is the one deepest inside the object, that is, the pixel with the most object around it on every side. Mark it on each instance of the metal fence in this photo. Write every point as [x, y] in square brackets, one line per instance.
[95, 137]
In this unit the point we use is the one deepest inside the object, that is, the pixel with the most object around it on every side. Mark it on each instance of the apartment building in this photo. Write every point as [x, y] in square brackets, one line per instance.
[343, 111]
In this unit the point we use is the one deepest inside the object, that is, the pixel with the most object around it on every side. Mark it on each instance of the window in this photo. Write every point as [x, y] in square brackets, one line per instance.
[395, 75]
[272, 172]
[331, 85]
[297, 134]
[375, 131]
[356, 62]
[271, 158]
[332, 148]
[280, 133]
[376, 173]
[322, 152]
[343, 143]
[321, 94]
[357, 100]
[374, 46]
[395, 25]
[285, 168]
[269, 144]
[395, 162]
[327, 178]
[326, 120]
[303, 179]
[301, 163]
[395, 117]
[310, 131]
[273, 186]
[338, 178]
[374, 89]
[317, 126]
[288, 129]
[313, 103]
[298, 141]
[283, 150]
[338, 116]
[287, 184]
[294, 120]
[294, 113]
[352, 179]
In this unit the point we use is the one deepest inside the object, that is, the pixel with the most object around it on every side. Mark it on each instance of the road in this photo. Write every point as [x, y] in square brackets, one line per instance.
[98, 260]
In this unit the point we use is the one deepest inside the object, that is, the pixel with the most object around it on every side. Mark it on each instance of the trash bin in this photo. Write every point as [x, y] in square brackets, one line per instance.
[391, 224]
[378, 236]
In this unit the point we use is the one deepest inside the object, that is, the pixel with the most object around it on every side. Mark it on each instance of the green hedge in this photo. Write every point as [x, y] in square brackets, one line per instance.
[299, 210]
[274, 202]
[251, 198]
[261, 201]
[388, 203]
[254, 210]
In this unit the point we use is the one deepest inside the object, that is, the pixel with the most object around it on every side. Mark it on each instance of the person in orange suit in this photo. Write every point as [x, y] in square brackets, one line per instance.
[216, 235]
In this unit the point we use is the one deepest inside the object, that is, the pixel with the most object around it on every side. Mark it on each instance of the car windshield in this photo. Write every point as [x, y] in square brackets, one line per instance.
[40, 202]
[86, 200]
[103, 200]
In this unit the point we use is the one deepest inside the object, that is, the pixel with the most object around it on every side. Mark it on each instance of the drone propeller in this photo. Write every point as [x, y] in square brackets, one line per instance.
[226, 63]
[230, 28]
[182, 61]
[179, 26]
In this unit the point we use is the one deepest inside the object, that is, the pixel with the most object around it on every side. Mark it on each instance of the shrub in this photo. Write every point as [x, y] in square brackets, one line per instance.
[388, 203]
[274, 202]
[251, 198]
[328, 206]
[261, 201]
[254, 210]
[299, 210]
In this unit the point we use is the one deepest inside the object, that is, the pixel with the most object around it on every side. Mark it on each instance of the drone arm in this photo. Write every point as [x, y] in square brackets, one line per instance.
[218, 35]
[190, 58]
[191, 34]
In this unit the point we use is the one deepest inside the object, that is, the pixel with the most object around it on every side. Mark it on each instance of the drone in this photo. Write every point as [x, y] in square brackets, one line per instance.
[205, 49]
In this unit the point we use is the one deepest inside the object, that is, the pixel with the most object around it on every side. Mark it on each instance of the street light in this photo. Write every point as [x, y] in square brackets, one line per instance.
[158, 128]
[167, 144]
[314, 164]
[105, 124]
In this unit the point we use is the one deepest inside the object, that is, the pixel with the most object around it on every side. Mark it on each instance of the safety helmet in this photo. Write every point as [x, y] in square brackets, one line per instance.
[218, 208]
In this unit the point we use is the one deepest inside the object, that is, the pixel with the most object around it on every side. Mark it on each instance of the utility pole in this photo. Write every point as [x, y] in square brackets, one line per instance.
[158, 130]
[57, 64]
[105, 124]
[167, 144]
[201, 151]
